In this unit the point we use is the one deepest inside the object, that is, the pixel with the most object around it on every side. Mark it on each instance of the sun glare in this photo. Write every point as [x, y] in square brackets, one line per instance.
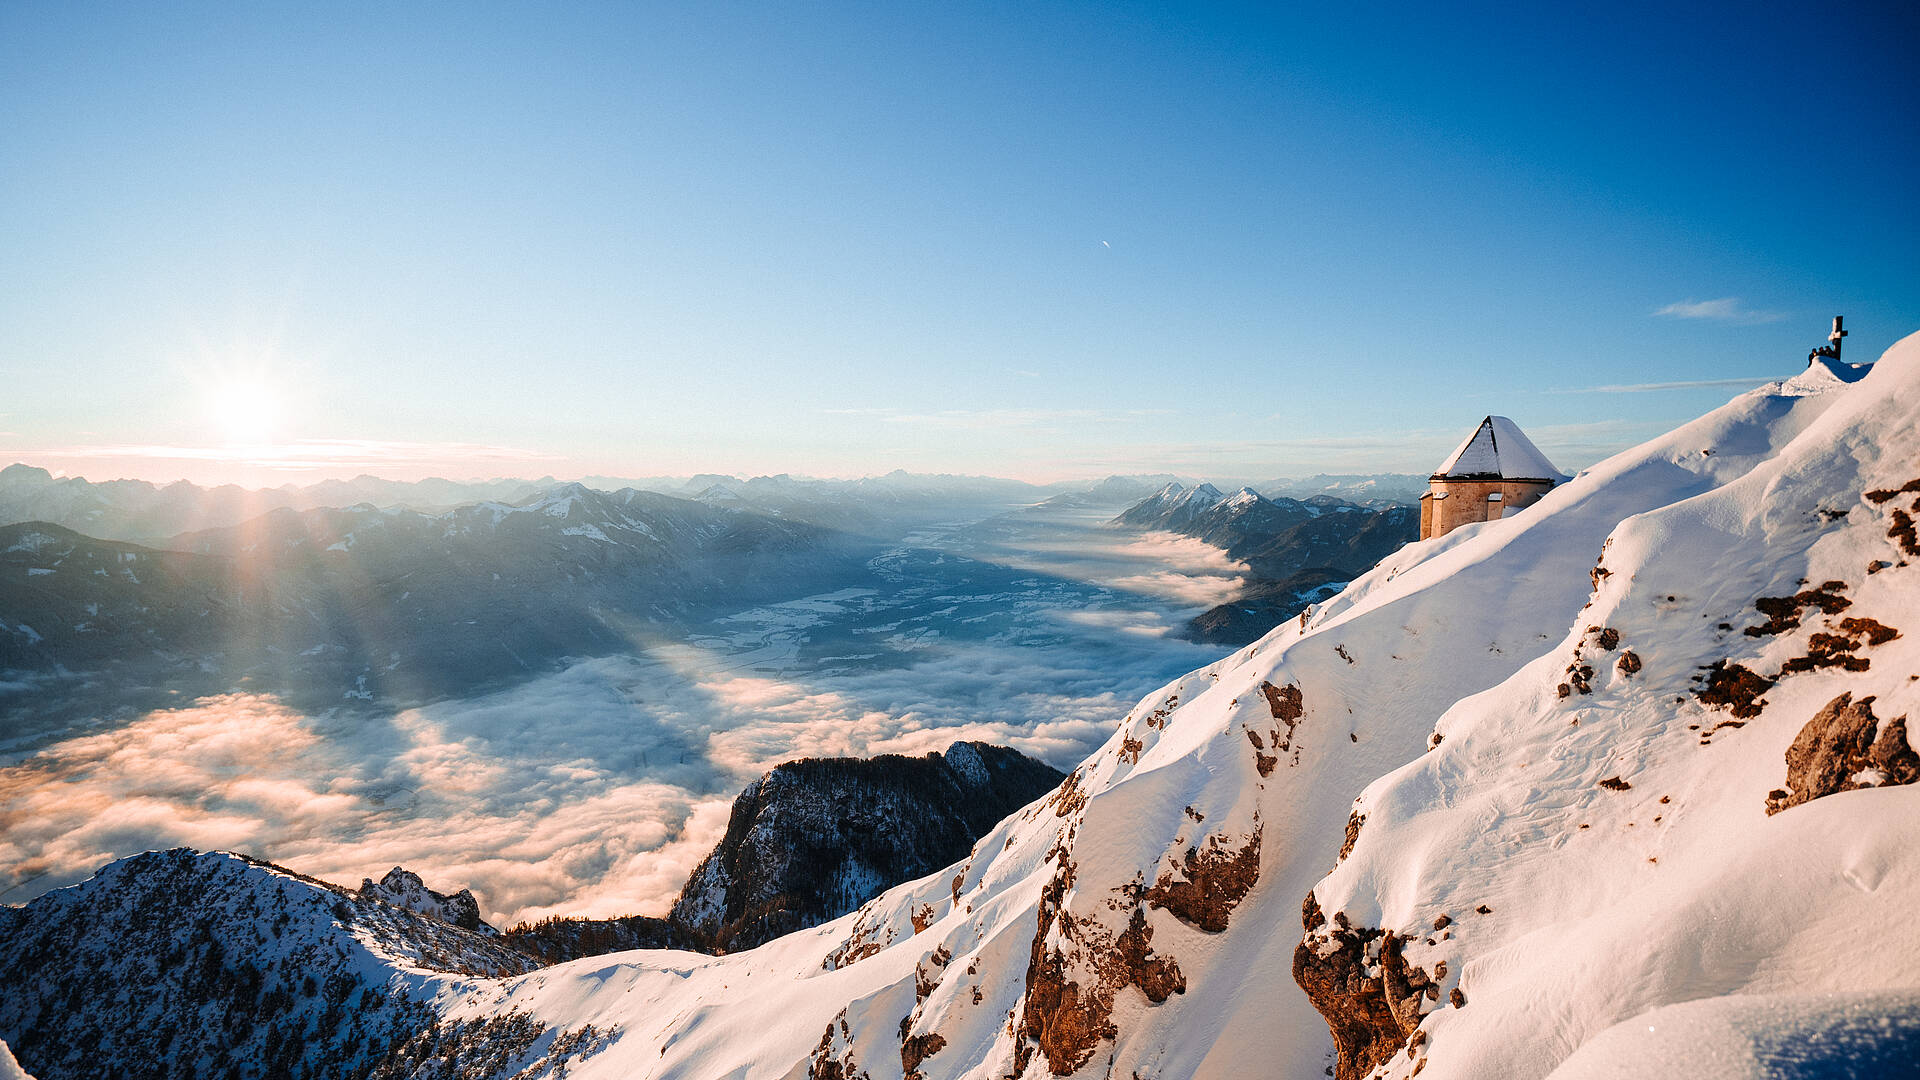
[243, 412]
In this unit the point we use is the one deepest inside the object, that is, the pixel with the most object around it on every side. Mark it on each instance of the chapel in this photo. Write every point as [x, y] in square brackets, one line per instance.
[1495, 472]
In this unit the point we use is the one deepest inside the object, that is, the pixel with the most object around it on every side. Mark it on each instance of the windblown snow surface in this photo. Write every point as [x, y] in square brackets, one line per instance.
[1602, 854]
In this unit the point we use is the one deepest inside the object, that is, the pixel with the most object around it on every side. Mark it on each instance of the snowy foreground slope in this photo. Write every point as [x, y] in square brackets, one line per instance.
[1601, 831]
[1145, 918]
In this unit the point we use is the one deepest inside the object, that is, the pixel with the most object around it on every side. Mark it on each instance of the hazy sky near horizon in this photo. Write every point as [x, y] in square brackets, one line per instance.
[262, 243]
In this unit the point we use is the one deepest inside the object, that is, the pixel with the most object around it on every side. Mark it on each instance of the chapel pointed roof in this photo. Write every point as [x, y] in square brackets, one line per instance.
[1497, 450]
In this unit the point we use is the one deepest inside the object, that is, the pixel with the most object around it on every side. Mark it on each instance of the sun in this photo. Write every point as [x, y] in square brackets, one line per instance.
[244, 412]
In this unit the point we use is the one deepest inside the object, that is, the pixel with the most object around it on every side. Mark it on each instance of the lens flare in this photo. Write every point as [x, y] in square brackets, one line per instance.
[243, 412]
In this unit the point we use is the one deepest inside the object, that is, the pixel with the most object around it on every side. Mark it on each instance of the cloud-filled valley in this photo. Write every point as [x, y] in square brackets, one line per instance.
[595, 789]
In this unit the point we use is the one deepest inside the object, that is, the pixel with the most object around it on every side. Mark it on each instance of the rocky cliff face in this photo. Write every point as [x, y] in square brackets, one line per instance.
[816, 838]
[1845, 747]
[811, 841]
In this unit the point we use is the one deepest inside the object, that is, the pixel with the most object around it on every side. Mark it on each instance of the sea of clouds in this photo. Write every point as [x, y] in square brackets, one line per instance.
[596, 789]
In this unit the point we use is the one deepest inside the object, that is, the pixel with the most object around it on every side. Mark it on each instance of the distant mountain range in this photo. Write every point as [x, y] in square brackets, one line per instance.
[1300, 550]
[1374, 490]
[336, 605]
[152, 514]
[147, 513]
[396, 596]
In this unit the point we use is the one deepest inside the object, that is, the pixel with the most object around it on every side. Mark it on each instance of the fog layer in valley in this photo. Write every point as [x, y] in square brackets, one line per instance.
[594, 790]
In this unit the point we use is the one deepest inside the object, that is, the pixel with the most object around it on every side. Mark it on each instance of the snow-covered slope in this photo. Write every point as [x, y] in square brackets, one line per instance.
[1670, 805]
[1143, 919]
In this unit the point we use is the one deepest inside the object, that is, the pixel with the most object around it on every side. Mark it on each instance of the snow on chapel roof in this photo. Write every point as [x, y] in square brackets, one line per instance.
[1497, 450]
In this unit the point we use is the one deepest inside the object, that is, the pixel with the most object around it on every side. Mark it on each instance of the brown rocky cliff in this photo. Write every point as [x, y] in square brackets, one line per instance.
[1371, 1016]
[1844, 748]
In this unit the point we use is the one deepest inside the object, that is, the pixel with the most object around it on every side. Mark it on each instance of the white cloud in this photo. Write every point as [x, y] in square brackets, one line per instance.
[1743, 383]
[1725, 309]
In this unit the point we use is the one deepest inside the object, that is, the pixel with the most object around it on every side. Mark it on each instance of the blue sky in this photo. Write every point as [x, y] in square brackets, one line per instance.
[1041, 240]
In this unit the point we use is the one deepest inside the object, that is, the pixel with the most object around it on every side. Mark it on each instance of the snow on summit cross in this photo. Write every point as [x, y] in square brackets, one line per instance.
[1566, 730]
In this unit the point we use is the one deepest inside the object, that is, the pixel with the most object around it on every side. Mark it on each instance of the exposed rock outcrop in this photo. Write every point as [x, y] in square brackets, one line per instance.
[403, 889]
[1209, 884]
[1840, 649]
[1844, 748]
[1784, 612]
[1733, 687]
[1076, 970]
[1360, 982]
[816, 838]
